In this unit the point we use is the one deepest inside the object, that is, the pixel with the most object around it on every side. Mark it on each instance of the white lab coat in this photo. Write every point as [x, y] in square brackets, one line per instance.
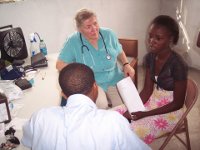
[79, 126]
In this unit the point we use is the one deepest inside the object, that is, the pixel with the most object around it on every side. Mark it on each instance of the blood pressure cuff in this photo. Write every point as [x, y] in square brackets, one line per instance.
[11, 73]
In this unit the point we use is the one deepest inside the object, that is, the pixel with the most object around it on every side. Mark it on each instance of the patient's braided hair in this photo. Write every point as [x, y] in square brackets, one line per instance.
[76, 78]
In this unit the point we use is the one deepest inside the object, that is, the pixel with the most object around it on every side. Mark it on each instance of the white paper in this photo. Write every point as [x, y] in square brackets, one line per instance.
[130, 95]
[11, 90]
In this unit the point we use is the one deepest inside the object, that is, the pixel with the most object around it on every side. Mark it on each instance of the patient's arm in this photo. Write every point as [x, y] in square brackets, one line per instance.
[60, 65]
[148, 87]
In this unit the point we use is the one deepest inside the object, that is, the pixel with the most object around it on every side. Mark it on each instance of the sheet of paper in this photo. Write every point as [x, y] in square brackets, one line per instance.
[130, 95]
[11, 90]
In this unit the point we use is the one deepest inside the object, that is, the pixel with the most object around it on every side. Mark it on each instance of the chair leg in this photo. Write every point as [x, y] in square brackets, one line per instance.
[187, 134]
[166, 142]
[173, 132]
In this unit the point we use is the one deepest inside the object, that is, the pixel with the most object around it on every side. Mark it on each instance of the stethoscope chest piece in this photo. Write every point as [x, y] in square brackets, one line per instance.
[108, 57]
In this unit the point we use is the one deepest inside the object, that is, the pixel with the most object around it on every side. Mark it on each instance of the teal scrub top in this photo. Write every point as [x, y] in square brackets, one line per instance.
[106, 72]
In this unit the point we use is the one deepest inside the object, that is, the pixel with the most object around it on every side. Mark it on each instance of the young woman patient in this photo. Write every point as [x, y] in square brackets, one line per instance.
[165, 82]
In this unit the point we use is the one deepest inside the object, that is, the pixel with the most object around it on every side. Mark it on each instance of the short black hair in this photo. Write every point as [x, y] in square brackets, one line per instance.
[170, 24]
[76, 78]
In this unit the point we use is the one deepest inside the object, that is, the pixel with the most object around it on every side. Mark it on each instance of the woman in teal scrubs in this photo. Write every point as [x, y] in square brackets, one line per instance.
[97, 48]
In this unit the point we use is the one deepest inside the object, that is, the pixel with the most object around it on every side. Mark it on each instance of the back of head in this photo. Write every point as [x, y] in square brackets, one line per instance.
[76, 78]
[170, 24]
[82, 15]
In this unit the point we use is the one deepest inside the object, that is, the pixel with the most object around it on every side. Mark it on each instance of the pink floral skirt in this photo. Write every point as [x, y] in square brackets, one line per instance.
[151, 127]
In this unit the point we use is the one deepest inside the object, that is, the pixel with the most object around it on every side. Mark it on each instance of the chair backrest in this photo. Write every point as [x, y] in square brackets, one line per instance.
[130, 47]
[191, 94]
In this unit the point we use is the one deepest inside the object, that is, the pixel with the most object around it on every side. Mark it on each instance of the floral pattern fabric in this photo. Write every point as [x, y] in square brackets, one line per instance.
[151, 127]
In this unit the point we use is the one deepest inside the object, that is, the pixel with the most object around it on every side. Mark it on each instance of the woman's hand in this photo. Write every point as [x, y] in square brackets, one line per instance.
[138, 115]
[134, 115]
[127, 116]
[128, 71]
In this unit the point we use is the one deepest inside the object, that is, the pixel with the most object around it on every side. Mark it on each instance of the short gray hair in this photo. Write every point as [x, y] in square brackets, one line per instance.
[82, 15]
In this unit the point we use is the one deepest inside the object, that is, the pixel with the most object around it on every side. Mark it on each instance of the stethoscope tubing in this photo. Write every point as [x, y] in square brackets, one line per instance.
[83, 45]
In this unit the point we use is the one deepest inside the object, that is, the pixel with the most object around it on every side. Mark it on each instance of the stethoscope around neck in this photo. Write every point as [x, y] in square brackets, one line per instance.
[108, 57]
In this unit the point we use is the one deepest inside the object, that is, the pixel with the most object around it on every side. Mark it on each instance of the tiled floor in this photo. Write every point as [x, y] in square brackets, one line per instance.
[193, 118]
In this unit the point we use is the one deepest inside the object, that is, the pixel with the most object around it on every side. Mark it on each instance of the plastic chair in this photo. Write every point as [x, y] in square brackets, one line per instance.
[130, 47]
[182, 125]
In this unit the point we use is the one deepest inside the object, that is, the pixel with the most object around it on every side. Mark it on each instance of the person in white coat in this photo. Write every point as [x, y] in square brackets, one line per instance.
[79, 125]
